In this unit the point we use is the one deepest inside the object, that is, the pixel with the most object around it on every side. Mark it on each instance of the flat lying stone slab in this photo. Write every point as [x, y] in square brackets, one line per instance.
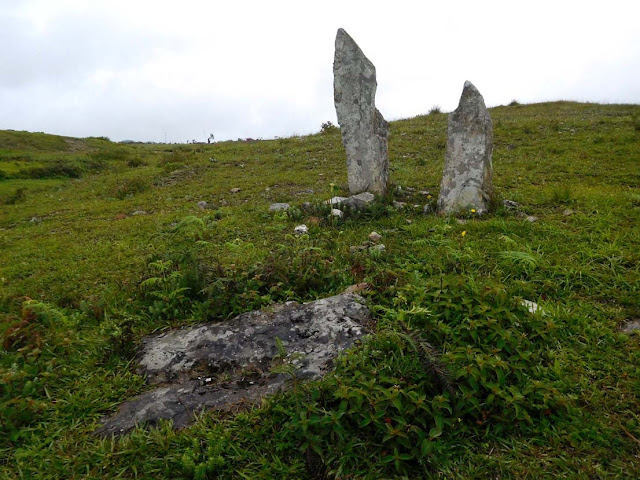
[226, 364]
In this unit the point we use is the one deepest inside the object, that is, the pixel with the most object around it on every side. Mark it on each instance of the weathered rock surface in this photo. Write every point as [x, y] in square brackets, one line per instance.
[466, 181]
[360, 200]
[364, 130]
[221, 365]
[279, 207]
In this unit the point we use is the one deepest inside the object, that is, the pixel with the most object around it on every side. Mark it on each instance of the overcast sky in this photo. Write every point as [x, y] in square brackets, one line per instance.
[180, 70]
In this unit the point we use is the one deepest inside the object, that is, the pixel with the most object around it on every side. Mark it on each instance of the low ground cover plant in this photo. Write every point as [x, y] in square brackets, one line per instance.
[460, 376]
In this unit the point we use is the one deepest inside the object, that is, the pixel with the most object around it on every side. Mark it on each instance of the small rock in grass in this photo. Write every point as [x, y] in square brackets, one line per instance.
[35, 220]
[424, 192]
[234, 190]
[336, 200]
[567, 212]
[278, 207]
[375, 237]
[360, 200]
[203, 205]
[427, 209]
[139, 212]
[509, 204]
[531, 306]
[378, 248]
[337, 213]
[357, 288]
[356, 248]
[532, 218]
[399, 205]
[301, 230]
[630, 326]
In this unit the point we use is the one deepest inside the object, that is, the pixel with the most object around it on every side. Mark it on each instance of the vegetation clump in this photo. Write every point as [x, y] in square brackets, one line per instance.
[495, 347]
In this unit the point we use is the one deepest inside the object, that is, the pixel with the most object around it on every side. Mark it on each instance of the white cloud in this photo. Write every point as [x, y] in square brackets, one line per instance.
[259, 69]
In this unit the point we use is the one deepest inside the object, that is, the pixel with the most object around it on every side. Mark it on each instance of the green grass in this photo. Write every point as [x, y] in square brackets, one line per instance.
[496, 392]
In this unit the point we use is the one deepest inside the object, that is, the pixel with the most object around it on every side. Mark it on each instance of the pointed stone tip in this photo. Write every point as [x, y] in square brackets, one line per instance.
[342, 35]
[469, 85]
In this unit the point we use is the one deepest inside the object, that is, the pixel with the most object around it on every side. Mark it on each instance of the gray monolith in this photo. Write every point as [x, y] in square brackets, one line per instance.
[364, 130]
[466, 181]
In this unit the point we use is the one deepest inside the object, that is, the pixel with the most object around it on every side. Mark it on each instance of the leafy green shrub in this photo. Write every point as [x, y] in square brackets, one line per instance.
[28, 360]
[59, 168]
[435, 110]
[112, 153]
[328, 127]
[18, 196]
[62, 167]
[136, 162]
[174, 282]
[514, 103]
[497, 349]
[563, 195]
[299, 268]
[130, 187]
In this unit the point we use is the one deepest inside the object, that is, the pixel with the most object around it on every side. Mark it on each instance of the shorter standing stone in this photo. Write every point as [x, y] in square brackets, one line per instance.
[466, 181]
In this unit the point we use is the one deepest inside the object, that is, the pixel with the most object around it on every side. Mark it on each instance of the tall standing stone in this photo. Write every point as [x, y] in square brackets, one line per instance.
[364, 130]
[466, 182]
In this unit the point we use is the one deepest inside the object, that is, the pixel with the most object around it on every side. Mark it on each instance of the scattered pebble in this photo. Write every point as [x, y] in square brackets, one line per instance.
[279, 207]
[532, 219]
[533, 307]
[567, 212]
[399, 205]
[234, 190]
[301, 230]
[630, 326]
[424, 192]
[202, 205]
[35, 220]
[375, 237]
[139, 212]
[510, 204]
[337, 213]
[379, 247]
[336, 200]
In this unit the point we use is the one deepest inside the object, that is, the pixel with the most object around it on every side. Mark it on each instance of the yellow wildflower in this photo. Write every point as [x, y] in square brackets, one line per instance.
[464, 233]
[473, 210]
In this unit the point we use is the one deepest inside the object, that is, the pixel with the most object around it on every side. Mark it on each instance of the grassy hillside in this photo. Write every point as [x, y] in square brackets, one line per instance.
[83, 222]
